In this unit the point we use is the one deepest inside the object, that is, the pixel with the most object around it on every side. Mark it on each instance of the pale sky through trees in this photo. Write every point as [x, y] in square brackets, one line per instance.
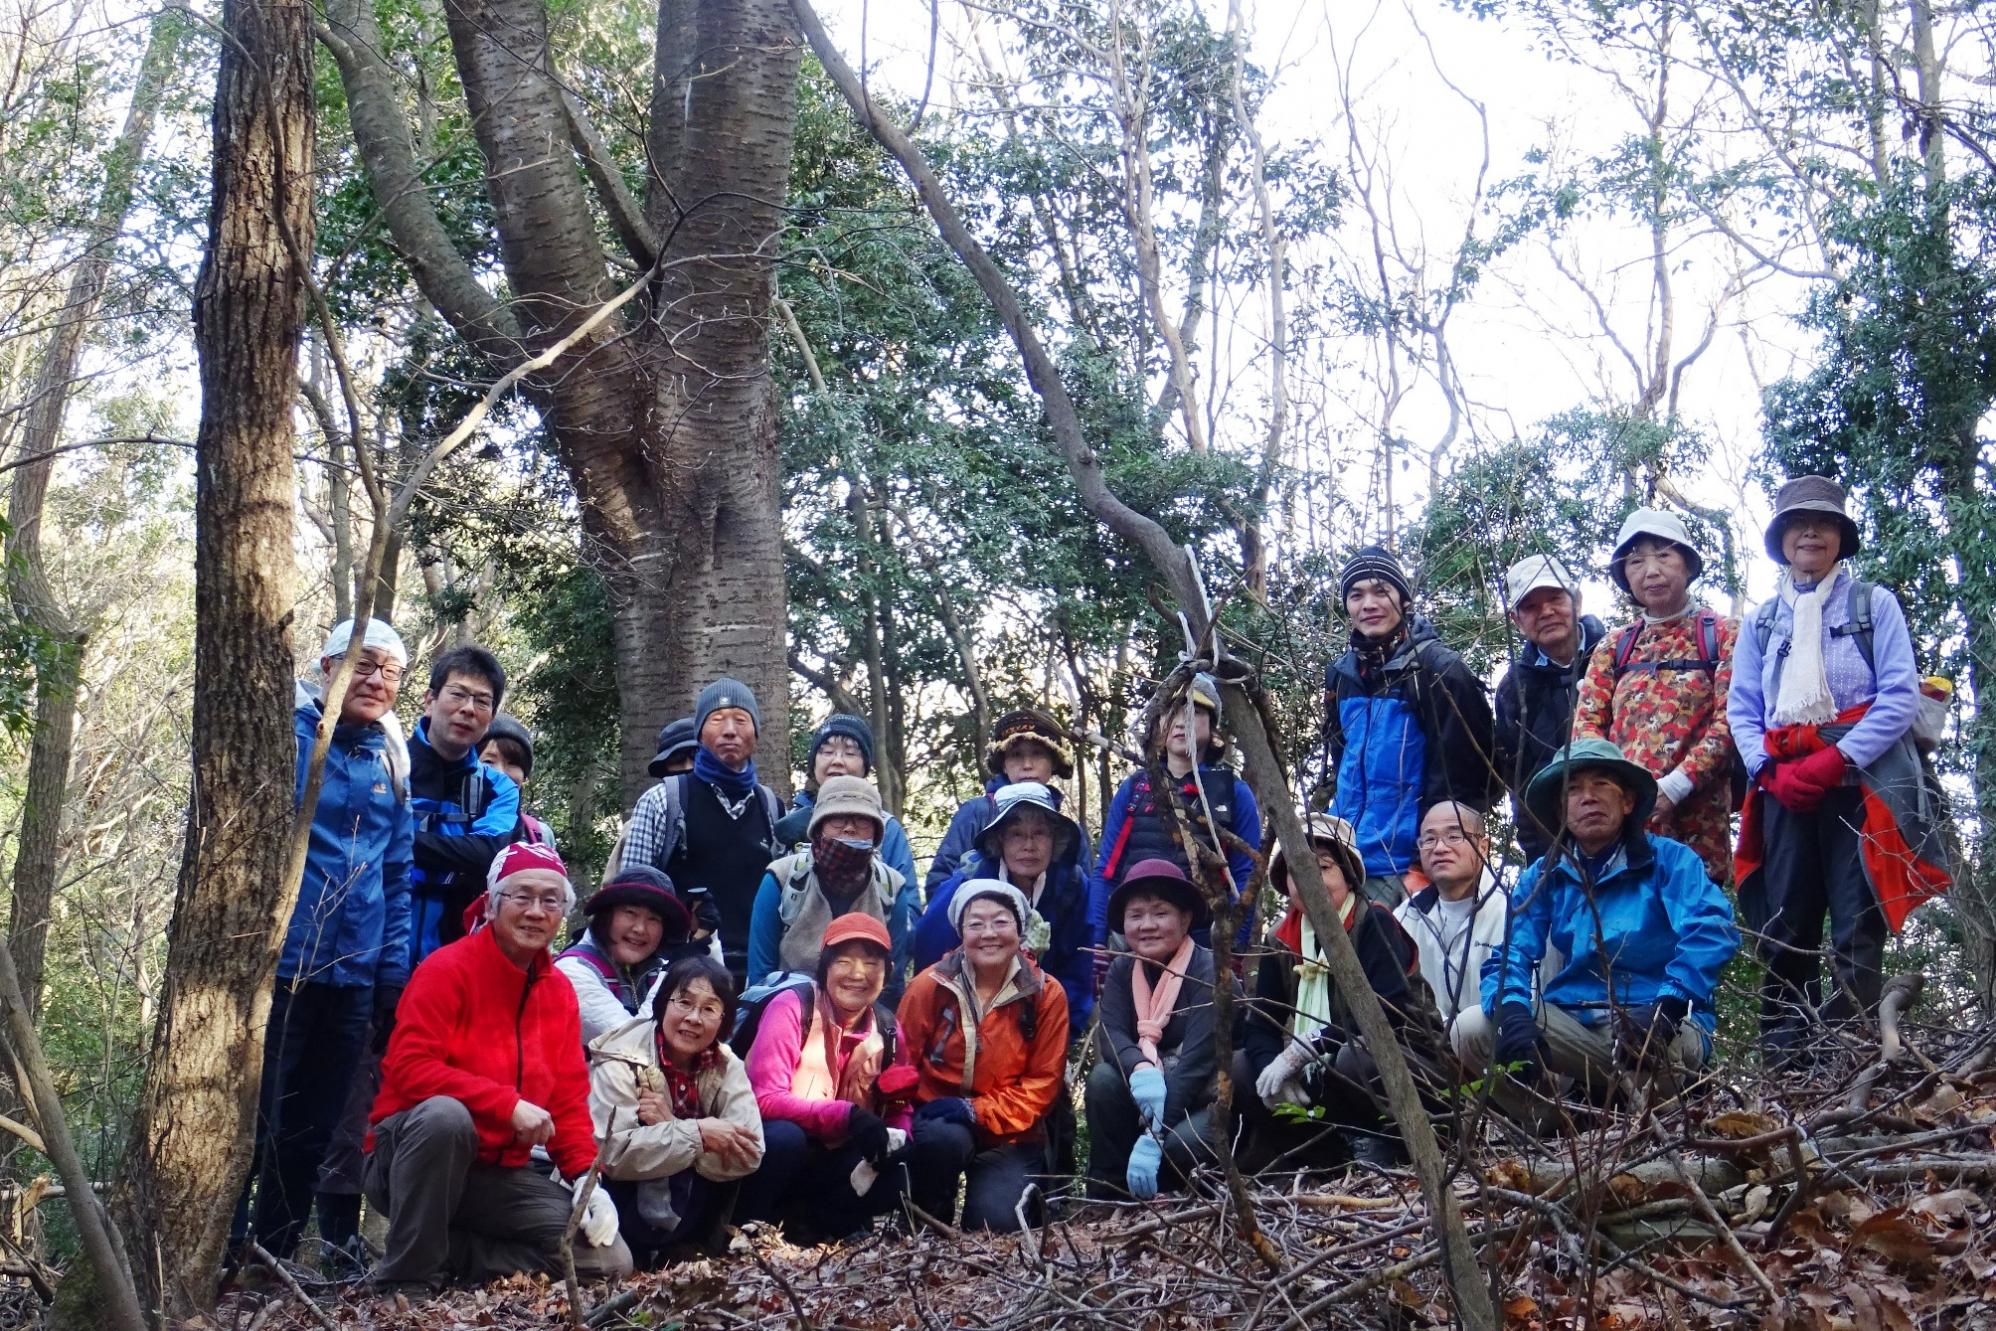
[1528, 339]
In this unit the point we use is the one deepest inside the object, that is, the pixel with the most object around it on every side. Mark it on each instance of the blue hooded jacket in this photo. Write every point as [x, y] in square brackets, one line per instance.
[1654, 922]
[1063, 905]
[350, 928]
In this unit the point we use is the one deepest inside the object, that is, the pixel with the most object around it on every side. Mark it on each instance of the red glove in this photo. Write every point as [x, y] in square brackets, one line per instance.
[896, 1083]
[1782, 781]
[1821, 772]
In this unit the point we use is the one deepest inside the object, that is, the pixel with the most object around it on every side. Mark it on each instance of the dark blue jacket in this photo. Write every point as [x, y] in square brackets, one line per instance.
[350, 927]
[968, 823]
[1135, 831]
[1063, 905]
[465, 814]
[1535, 719]
[1420, 734]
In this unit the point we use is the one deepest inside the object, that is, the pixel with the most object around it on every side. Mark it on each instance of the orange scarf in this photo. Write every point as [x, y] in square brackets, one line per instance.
[1154, 1005]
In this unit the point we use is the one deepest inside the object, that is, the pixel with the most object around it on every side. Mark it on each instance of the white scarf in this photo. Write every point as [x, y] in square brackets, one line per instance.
[1313, 979]
[1805, 698]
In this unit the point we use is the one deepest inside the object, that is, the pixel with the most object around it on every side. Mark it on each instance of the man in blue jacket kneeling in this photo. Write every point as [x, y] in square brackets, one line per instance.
[1644, 933]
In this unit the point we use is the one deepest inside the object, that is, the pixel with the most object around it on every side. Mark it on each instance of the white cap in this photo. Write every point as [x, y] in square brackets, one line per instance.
[1533, 572]
[379, 636]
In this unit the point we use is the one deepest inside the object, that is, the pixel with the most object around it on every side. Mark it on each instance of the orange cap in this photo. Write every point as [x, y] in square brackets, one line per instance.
[854, 925]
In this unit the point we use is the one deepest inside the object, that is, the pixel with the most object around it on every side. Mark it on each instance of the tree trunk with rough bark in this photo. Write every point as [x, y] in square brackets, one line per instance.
[37, 857]
[666, 422]
[192, 1142]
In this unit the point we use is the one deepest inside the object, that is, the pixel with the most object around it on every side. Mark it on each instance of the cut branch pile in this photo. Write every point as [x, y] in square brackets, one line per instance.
[1787, 1206]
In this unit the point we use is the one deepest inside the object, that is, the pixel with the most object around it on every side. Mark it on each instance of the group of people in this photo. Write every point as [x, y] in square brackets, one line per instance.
[762, 1013]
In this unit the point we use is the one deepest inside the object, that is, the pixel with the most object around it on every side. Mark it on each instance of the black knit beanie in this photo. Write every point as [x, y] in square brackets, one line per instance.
[1374, 561]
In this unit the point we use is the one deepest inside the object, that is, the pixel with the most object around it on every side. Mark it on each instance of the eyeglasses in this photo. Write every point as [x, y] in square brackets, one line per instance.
[1455, 836]
[528, 901]
[390, 672]
[1004, 924]
[456, 697]
[687, 1007]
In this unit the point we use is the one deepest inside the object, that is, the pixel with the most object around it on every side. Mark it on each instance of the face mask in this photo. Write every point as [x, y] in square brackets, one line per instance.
[857, 845]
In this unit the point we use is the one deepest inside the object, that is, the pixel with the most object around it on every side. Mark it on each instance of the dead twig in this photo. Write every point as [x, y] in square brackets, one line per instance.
[319, 1315]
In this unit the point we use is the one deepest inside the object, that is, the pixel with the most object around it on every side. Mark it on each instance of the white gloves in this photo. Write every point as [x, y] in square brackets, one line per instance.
[599, 1218]
[864, 1175]
[1281, 1082]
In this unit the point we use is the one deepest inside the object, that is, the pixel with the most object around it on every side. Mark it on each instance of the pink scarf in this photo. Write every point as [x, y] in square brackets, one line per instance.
[1154, 1006]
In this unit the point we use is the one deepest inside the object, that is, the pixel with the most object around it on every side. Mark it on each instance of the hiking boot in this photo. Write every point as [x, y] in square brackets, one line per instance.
[1373, 1150]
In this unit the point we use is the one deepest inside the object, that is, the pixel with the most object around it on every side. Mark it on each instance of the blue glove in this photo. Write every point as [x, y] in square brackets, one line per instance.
[1145, 1157]
[1518, 1040]
[1147, 1089]
[953, 1109]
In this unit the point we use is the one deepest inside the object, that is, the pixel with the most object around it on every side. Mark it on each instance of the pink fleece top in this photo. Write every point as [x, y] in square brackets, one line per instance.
[772, 1071]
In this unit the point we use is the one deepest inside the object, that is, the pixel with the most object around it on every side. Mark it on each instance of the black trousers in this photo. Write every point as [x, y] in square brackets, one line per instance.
[997, 1176]
[1813, 864]
[311, 1048]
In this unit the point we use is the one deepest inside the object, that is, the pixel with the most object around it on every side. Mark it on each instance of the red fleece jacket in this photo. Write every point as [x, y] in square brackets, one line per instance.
[477, 1028]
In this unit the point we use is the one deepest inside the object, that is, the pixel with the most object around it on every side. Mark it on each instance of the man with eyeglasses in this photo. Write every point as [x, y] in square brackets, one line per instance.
[464, 812]
[485, 1065]
[346, 949]
[1457, 920]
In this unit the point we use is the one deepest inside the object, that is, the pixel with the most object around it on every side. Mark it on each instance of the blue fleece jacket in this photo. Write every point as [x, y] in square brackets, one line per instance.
[1654, 923]
[350, 928]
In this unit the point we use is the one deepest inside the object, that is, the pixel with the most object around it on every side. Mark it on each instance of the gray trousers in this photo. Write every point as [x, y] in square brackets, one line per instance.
[450, 1217]
[1573, 1049]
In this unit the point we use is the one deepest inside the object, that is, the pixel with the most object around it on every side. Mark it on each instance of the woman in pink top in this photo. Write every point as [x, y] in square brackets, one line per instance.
[834, 1125]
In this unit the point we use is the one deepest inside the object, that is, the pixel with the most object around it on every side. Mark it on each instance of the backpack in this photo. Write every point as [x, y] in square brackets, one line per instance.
[756, 999]
[1140, 793]
[673, 822]
[1707, 660]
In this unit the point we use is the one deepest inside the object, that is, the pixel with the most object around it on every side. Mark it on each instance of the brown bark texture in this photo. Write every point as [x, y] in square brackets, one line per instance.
[232, 900]
[665, 420]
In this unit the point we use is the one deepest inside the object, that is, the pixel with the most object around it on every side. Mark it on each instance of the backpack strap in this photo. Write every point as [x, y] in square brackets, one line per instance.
[1708, 640]
[1858, 626]
[1707, 660]
[1625, 648]
[1763, 622]
[595, 960]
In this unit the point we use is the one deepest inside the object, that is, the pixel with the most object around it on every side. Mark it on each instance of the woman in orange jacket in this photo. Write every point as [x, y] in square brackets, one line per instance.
[986, 1030]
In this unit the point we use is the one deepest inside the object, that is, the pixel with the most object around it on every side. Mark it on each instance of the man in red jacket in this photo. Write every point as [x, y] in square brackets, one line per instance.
[486, 1064]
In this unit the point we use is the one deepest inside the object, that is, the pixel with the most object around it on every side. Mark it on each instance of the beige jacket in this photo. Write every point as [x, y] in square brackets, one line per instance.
[623, 1062]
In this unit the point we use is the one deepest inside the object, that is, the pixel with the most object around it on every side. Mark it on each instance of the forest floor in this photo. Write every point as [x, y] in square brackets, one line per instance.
[1856, 1196]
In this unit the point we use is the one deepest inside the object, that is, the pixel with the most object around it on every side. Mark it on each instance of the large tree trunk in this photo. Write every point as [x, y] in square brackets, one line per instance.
[196, 1115]
[668, 432]
[36, 859]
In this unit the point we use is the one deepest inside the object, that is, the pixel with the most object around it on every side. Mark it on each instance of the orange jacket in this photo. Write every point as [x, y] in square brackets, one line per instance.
[1009, 1064]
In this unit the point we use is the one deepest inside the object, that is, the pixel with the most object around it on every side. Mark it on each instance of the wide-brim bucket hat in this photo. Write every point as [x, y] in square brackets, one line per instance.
[1545, 797]
[1157, 878]
[1013, 802]
[1811, 494]
[1658, 524]
[1333, 833]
